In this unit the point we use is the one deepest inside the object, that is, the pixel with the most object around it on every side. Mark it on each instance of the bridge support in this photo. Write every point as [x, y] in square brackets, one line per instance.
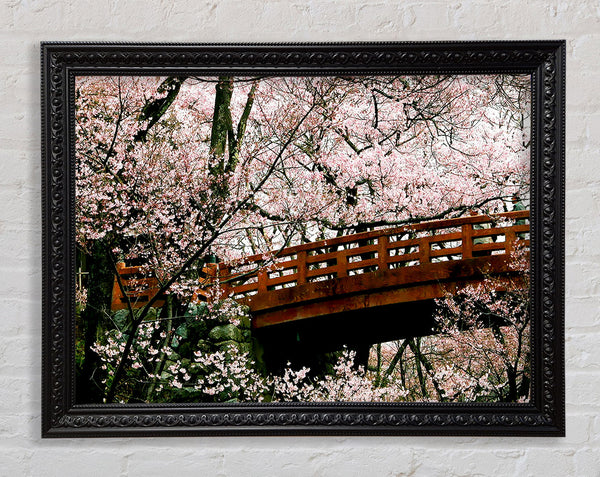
[314, 342]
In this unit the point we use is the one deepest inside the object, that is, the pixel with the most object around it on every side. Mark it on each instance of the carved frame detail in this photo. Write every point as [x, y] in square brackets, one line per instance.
[544, 415]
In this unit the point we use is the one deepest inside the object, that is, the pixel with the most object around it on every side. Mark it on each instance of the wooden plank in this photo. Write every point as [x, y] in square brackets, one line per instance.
[382, 252]
[520, 228]
[489, 246]
[424, 251]
[342, 264]
[445, 252]
[301, 267]
[453, 237]
[123, 270]
[321, 271]
[245, 288]
[341, 305]
[355, 252]
[362, 264]
[262, 282]
[403, 243]
[406, 257]
[137, 298]
[321, 257]
[511, 237]
[394, 278]
[279, 280]
[467, 241]
[282, 266]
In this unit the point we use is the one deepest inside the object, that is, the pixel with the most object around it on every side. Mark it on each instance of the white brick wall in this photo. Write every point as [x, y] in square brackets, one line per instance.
[24, 23]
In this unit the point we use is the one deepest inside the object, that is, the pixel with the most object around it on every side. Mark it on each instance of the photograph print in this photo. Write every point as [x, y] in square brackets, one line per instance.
[302, 238]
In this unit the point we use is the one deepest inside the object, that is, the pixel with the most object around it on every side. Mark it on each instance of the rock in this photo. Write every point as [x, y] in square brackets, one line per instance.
[199, 327]
[198, 309]
[203, 345]
[225, 333]
[244, 322]
[226, 345]
[152, 313]
[246, 348]
[241, 347]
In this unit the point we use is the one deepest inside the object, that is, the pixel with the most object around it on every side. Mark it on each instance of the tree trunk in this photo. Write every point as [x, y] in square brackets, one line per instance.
[100, 282]
[512, 384]
[158, 369]
[222, 127]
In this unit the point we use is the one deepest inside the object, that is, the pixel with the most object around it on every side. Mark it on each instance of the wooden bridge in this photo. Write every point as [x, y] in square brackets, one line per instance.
[413, 263]
[354, 290]
[378, 268]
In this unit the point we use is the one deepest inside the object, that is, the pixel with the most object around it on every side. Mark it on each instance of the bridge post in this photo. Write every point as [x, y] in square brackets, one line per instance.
[467, 241]
[382, 254]
[118, 301]
[301, 267]
[262, 276]
[424, 249]
[509, 240]
[342, 264]
[223, 273]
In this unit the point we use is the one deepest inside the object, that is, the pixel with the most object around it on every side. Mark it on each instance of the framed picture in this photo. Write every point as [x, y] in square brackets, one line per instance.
[350, 238]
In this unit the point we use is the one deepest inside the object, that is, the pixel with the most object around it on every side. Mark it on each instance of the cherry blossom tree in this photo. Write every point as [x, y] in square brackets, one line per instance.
[173, 170]
[481, 351]
[490, 324]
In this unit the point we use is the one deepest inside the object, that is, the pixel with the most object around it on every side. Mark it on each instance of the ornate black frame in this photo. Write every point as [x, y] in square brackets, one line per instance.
[544, 415]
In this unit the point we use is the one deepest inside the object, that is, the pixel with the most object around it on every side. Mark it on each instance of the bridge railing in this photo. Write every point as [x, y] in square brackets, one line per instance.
[411, 245]
[384, 249]
[139, 289]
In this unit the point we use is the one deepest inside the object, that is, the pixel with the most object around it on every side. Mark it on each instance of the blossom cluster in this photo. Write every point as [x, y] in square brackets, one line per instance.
[347, 383]
[231, 375]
